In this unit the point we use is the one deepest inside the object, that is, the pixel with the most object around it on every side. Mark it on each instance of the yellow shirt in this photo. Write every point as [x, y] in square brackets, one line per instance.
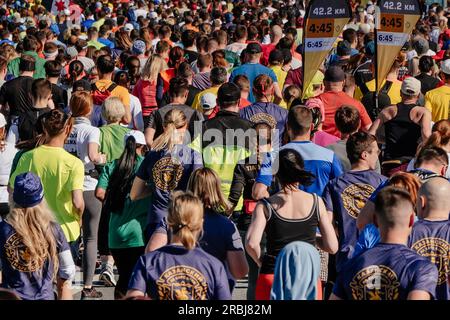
[394, 91]
[437, 101]
[118, 91]
[95, 44]
[99, 23]
[196, 104]
[60, 173]
[281, 77]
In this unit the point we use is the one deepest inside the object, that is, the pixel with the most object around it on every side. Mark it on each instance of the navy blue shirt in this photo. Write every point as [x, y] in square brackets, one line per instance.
[166, 172]
[431, 239]
[386, 272]
[29, 282]
[266, 112]
[345, 197]
[175, 273]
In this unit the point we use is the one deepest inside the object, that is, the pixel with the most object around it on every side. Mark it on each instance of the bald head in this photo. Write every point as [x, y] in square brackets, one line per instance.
[277, 32]
[434, 199]
[394, 208]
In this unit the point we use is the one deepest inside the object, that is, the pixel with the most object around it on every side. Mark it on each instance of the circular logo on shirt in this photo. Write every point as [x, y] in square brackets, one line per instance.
[182, 283]
[375, 283]
[167, 174]
[265, 118]
[438, 251]
[18, 255]
[355, 196]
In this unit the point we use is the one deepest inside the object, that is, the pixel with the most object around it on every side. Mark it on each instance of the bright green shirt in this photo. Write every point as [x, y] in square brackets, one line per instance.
[60, 173]
[39, 72]
[96, 44]
[126, 228]
[112, 140]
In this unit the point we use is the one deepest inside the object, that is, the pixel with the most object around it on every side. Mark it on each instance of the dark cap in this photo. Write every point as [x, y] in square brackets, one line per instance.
[370, 48]
[81, 85]
[334, 74]
[344, 48]
[28, 190]
[228, 94]
[253, 48]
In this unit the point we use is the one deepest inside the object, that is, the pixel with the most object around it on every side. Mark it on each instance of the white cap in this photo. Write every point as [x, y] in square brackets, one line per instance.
[2, 120]
[128, 27]
[153, 15]
[137, 135]
[67, 12]
[208, 101]
[445, 66]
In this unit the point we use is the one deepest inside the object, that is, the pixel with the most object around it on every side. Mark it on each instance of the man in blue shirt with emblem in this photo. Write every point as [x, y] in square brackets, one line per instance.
[430, 236]
[346, 195]
[321, 162]
[390, 270]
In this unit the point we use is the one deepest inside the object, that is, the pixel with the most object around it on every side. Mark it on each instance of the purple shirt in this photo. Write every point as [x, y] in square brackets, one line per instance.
[33, 282]
[345, 197]
[431, 239]
[175, 273]
[386, 272]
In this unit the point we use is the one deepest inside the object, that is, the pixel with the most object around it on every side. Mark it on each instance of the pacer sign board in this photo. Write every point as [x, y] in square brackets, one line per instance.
[396, 22]
[325, 21]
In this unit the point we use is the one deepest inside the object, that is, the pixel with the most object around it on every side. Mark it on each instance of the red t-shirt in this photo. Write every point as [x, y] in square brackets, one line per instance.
[333, 101]
[266, 50]
[244, 103]
[146, 92]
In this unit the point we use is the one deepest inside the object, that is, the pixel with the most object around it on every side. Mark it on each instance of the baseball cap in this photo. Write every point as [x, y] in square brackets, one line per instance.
[128, 27]
[137, 135]
[334, 74]
[71, 52]
[208, 101]
[344, 48]
[445, 66]
[253, 48]
[228, 93]
[2, 120]
[138, 47]
[411, 86]
[28, 190]
[364, 28]
[81, 85]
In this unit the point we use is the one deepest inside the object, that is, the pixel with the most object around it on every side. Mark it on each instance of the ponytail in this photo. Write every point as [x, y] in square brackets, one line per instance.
[185, 218]
[122, 177]
[173, 120]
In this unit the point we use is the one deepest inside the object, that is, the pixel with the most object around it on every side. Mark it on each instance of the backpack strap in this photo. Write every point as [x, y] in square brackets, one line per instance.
[94, 87]
[364, 89]
[112, 87]
[386, 87]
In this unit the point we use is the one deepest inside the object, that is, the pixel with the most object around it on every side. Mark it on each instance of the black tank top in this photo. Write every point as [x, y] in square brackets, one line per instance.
[281, 231]
[402, 134]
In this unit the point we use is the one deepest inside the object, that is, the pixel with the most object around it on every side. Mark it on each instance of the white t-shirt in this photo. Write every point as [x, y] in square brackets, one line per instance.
[140, 13]
[77, 144]
[136, 113]
[6, 159]
[236, 47]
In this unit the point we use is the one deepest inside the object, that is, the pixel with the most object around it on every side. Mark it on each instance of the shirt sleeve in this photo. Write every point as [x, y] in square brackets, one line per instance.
[336, 168]
[143, 172]
[326, 196]
[237, 185]
[265, 172]
[76, 179]
[428, 102]
[103, 179]
[94, 136]
[234, 240]
[138, 279]
[425, 277]
[273, 76]
[365, 119]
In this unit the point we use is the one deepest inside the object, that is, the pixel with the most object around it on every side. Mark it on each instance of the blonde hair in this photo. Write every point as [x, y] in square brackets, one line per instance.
[113, 109]
[34, 227]
[205, 184]
[153, 67]
[185, 217]
[173, 120]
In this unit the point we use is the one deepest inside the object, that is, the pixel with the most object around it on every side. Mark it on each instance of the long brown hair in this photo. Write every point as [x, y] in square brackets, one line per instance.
[205, 184]
[185, 217]
[34, 227]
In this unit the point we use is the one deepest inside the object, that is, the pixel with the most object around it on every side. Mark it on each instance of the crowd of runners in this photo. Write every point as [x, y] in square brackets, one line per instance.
[171, 147]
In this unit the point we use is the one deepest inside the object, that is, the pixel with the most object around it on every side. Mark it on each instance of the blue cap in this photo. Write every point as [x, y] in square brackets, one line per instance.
[139, 47]
[28, 190]
[55, 29]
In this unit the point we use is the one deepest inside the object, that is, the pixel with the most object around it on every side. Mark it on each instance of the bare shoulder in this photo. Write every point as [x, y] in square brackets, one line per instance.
[389, 112]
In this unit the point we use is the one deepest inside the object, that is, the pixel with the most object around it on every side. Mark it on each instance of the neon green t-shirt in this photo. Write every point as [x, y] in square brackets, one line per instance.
[60, 173]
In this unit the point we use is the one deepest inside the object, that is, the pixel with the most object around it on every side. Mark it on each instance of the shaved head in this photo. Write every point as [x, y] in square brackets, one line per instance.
[393, 208]
[277, 31]
[434, 198]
